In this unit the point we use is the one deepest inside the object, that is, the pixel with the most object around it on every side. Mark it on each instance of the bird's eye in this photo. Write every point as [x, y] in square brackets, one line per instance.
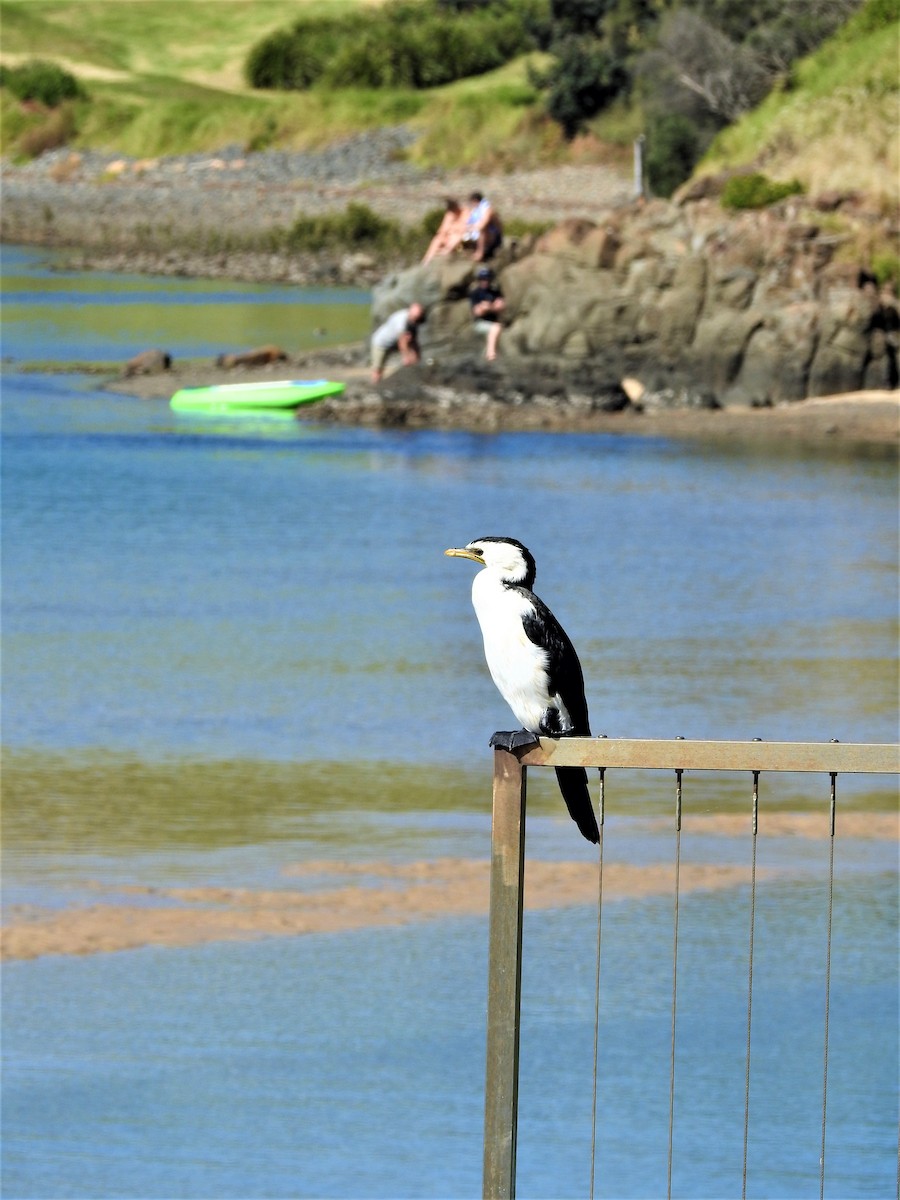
[477, 550]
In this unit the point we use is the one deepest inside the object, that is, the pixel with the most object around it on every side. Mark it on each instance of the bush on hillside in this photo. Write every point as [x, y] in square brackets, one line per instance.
[41, 81]
[757, 191]
[357, 227]
[583, 79]
[886, 267]
[673, 148]
[401, 44]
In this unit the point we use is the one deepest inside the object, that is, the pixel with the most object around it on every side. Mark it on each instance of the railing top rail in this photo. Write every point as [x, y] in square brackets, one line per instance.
[681, 754]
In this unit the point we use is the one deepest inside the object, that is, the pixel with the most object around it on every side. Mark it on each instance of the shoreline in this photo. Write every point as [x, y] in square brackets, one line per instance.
[200, 216]
[867, 421]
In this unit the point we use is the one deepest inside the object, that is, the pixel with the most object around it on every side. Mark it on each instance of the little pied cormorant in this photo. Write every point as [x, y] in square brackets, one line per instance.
[531, 660]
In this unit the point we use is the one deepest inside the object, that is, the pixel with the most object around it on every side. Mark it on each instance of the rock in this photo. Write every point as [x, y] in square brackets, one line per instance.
[581, 242]
[776, 360]
[148, 362]
[705, 310]
[261, 356]
[441, 279]
[680, 306]
[657, 399]
[633, 389]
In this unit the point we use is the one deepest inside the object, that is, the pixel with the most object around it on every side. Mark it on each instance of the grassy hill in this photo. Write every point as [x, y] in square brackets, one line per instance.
[834, 124]
[166, 78]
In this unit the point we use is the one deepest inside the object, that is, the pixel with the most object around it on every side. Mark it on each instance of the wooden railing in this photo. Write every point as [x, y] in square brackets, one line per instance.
[507, 883]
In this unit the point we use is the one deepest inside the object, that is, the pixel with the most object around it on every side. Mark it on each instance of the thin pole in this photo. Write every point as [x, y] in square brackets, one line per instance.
[504, 977]
[750, 978]
[678, 775]
[600, 818]
[827, 982]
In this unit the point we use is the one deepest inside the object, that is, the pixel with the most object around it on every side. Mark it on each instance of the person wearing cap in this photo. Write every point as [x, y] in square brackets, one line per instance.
[488, 306]
[399, 332]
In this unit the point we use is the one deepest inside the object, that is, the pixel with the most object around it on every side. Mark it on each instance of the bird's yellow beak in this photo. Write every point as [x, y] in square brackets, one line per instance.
[463, 552]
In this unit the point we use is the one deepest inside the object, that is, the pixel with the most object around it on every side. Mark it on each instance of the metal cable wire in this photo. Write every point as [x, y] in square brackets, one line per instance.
[750, 979]
[827, 984]
[678, 775]
[600, 818]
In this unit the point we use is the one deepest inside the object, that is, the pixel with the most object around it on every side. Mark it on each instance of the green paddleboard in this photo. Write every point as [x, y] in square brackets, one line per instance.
[278, 394]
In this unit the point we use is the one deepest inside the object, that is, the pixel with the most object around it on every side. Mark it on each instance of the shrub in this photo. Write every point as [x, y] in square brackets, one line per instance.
[673, 147]
[886, 267]
[294, 59]
[356, 227]
[584, 79]
[399, 45]
[756, 191]
[42, 81]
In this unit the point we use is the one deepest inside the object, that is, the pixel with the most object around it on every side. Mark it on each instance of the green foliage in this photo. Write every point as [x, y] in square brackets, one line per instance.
[584, 78]
[673, 146]
[576, 17]
[886, 267]
[295, 59]
[875, 14]
[400, 44]
[357, 227]
[757, 191]
[41, 81]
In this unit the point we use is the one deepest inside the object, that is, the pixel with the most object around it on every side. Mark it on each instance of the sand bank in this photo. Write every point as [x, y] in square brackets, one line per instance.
[389, 895]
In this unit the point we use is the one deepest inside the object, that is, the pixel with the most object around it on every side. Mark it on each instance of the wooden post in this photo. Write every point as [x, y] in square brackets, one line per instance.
[504, 977]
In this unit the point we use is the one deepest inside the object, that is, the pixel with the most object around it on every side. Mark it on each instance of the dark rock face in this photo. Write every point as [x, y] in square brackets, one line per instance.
[703, 309]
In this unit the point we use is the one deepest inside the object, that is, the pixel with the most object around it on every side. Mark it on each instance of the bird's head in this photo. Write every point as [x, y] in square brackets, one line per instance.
[511, 561]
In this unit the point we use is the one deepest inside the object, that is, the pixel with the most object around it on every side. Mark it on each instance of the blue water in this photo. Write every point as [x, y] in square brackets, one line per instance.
[189, 592]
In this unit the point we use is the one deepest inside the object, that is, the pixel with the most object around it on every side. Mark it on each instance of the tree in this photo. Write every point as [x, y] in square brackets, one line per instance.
[727, 79]
[583, 79]
[576, 17]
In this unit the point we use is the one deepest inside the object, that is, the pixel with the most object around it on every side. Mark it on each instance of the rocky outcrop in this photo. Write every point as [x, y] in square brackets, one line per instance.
[259, 356]
[148, 362]
[704, 309]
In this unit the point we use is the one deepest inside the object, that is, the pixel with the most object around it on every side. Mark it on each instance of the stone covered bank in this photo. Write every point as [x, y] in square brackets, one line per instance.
[694, 306]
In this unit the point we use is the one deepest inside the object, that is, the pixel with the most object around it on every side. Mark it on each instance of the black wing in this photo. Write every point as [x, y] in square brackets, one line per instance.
[566, 676]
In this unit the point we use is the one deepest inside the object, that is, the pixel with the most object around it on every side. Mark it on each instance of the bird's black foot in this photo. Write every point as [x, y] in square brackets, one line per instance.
[513, 739]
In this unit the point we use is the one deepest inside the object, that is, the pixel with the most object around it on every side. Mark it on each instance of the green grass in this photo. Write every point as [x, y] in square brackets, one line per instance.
[833, 125]
[166, 77]
[194, 39]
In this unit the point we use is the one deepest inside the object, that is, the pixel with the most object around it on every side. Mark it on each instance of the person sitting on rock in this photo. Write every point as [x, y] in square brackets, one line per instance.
[488, 306]
[483, 232]
[398, 333]
[450, 231]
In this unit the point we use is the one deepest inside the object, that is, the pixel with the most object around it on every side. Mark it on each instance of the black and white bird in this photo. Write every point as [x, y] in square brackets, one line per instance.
[531, 660]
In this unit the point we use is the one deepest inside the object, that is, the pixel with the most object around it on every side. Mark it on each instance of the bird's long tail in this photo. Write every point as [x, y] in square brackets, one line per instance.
[573, 783]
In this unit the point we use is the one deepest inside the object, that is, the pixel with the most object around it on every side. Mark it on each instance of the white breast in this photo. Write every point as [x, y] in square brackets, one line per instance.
[518, 667]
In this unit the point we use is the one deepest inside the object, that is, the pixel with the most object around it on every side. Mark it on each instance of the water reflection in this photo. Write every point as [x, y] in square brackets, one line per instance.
[71, 316]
